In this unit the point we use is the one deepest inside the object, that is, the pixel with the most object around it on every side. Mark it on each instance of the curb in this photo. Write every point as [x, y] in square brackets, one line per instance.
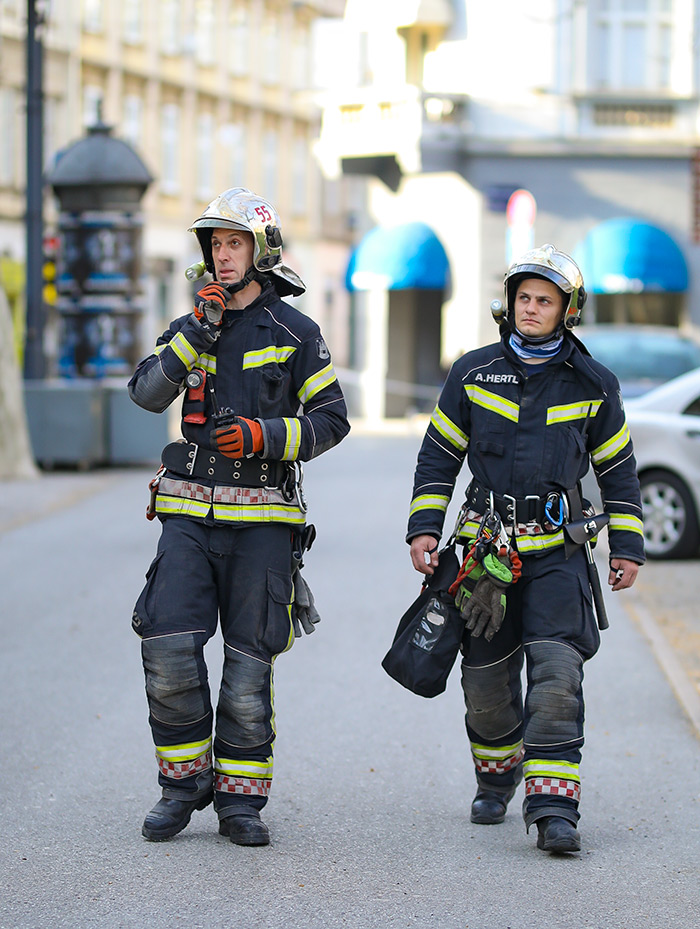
[685, 692]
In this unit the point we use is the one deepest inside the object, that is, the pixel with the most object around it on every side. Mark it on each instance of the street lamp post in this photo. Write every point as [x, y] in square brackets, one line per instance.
[34, 349]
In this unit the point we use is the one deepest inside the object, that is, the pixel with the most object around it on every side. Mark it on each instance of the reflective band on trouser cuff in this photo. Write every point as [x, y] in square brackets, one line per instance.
[253, 778]
[557, 778]
[178, 761]
[489, 759]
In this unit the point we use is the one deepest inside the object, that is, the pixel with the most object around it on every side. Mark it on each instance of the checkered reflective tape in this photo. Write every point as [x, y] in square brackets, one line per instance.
[556, 786]
[254, 786]
[248, 496]
[487, 761]
[177, 769]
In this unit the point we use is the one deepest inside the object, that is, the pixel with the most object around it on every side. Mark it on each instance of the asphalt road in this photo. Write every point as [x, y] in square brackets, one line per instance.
[369, 812]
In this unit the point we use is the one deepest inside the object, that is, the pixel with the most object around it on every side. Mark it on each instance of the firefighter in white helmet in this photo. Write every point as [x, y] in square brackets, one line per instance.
[261, 396]
[529, 414]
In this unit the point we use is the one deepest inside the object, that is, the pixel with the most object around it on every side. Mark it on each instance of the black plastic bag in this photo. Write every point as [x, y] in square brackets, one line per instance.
[429, 634]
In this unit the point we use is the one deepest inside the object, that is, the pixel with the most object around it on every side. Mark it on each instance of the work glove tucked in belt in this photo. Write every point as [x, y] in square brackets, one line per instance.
[304, 609]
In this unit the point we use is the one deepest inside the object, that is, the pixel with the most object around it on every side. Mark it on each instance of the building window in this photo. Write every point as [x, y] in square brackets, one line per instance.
[299, 177]
[232, 139]
[8, 137]
[205, 156]
[301, 58]
[92, 104]
[271, 49]
[238, 56]
[133, 21]
[132, 120]
[270, 165]
[632, 45]
[92, 15]
[170, 149]
[170, 32]
[205, 32]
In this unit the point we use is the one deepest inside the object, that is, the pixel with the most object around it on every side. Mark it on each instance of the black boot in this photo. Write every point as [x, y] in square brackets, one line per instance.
[168, 817]
[556, 834]
[245, 829]
[489, 807]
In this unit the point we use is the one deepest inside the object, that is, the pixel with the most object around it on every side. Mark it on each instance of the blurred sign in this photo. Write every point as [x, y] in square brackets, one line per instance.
[520, 217]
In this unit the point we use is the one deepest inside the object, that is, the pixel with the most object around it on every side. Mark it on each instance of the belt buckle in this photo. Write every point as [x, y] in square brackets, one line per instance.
[192, 455]
[537, 498]
[511, 508]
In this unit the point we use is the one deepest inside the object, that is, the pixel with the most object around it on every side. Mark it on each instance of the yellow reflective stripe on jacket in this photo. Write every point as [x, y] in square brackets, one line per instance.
[610, 448]
[627, 522]
[543, 767]
[429, 502]
[570, 411]
[271, 354]
[493, 402]
[316, 383]
[207, 363]
[234, 767]
[258, 513]
[293, 440]
[449, 430]
[185, 752]
[182, 348]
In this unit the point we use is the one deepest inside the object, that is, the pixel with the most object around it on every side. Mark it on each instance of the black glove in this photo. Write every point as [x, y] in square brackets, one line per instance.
[303, 609]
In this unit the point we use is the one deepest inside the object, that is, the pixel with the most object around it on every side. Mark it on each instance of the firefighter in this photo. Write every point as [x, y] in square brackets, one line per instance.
[260, 397]
[529, 414]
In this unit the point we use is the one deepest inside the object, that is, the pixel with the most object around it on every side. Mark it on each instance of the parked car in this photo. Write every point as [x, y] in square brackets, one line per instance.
[665, 428]
[642, 357]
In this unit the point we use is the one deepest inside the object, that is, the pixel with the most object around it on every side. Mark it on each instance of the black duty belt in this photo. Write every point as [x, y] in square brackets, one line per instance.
[192, 460]
[511, 509]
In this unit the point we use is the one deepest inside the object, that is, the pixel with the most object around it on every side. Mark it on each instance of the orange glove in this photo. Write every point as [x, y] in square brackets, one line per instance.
[240, 440]
[210, 303]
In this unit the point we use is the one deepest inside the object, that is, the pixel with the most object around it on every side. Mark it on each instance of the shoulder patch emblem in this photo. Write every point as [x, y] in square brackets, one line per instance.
[322, 349]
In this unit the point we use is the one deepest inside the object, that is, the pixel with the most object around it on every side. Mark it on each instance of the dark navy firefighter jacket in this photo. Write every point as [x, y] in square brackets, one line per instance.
[270, 363]
[523, 433]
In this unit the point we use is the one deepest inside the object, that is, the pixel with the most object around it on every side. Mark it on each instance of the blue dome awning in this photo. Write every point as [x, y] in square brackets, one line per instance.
[630, 256]
[399, 258]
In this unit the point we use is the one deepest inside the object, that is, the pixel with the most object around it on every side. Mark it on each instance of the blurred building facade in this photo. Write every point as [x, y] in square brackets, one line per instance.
[211, 94]
[449, 107]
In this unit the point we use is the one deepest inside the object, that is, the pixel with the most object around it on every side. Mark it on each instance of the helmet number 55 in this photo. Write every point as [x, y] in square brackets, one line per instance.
[263, 213]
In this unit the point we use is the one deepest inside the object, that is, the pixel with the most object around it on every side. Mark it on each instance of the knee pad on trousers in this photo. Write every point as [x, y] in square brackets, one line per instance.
[176, 679]
[493, 696]
[244, 715]
[554, 699]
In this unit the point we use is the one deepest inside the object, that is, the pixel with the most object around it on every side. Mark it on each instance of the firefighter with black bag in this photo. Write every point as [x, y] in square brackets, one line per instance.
[529, 414]
[260, 397]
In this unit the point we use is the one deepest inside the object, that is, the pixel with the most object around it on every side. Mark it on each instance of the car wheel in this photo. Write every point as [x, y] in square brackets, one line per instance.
[670, 520]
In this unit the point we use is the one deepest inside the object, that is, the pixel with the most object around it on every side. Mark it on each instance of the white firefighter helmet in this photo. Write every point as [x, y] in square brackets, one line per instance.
[240, 208]
[555, 266]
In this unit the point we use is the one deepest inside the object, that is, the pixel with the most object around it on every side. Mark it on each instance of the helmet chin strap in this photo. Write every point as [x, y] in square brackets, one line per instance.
[252, 274]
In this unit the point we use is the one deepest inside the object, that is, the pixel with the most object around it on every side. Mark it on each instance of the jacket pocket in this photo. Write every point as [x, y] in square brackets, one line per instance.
[570, 458]
[274, 385]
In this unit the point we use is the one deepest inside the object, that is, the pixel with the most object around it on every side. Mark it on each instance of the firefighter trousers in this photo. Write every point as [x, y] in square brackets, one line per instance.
[550, 624]
[201, 575]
